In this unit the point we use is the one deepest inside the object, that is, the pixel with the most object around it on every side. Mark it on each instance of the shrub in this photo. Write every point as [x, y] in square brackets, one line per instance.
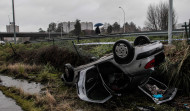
[44, 76]
[52, 55]
[49, 68]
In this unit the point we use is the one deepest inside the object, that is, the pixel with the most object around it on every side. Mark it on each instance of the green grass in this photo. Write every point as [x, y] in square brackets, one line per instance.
[25, 101]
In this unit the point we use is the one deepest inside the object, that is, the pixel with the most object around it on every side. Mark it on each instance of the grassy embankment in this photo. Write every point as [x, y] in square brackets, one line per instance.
[44, 63]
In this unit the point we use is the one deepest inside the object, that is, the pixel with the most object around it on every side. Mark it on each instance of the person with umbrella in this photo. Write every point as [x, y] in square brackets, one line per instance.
[97, 30]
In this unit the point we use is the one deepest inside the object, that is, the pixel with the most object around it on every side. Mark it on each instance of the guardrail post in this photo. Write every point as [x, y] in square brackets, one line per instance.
[78, 38]
[186, 30]
[188, 39]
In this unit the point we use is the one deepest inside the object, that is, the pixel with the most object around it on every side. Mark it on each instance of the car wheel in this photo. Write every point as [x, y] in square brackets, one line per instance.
[92, 59]
[141, 40]
[123, 52]
[68, 75]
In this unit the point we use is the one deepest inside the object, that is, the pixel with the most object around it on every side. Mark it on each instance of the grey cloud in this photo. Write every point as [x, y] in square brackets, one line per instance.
[33, 14]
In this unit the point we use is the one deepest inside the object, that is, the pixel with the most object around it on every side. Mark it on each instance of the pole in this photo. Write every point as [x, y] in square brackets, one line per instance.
[186, 30]
[170, 21]
[61, 29]
[189, 28]
[13, 49]
[188, 39]
[76, 49]
[14, 21]
[124, 19]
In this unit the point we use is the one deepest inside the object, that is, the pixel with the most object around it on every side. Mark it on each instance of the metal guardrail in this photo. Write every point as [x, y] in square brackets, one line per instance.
[46, 34]
[67, 37]
[159, 33]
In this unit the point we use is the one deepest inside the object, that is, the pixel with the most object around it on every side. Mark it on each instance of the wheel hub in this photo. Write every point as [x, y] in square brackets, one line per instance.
[121, 50]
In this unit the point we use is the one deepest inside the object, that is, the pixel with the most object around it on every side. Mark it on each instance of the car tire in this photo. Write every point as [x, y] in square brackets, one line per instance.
[123, 52]
[68, 75]
[141, 40]
[92, 59]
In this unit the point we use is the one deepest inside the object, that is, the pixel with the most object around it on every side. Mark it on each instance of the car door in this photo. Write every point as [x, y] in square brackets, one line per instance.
[90, 87]
[158, 91]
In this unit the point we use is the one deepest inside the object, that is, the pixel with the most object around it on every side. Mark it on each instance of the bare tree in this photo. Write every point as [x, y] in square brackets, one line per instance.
[152, 18]
[157, 17]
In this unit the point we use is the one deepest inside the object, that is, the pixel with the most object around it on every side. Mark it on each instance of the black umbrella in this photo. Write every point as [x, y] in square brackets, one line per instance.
[98, 24]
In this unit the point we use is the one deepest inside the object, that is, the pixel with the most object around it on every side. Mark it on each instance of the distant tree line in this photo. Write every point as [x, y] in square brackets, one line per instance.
[116, 28]
[53, 27]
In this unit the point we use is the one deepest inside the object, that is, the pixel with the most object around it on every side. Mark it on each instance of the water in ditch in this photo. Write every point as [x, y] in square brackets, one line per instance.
[31, 87]
[8, 104]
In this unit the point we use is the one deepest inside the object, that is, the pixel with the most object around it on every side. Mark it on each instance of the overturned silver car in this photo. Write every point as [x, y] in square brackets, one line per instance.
[130, 66]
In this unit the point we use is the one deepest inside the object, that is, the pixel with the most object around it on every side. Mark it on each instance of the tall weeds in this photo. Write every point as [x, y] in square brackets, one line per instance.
[176, 70]
[181, 77]
[21, 69]
[47, 101]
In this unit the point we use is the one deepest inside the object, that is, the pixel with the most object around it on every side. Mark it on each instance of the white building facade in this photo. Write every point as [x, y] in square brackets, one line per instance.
[10, 27]
[69, 26]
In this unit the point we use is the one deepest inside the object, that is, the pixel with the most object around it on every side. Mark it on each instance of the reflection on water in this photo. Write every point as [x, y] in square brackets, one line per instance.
[23, 84]
[8, 104]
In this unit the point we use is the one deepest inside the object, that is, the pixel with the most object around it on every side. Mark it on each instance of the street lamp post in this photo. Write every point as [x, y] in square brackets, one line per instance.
[14, 21]
[124, 18]
[170, 21]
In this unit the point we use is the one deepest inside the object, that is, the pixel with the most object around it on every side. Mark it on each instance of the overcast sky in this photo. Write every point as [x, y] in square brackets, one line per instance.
[34, 14]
